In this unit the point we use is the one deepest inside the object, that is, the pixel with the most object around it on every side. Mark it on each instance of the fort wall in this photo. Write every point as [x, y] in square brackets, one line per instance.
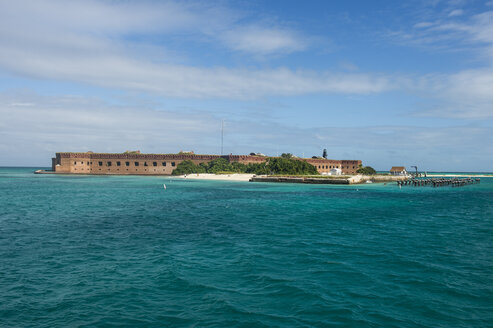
[325, 165]
[164, 164]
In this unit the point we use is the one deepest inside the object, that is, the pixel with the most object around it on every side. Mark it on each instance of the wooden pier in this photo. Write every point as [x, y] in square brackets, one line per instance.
[438, 182]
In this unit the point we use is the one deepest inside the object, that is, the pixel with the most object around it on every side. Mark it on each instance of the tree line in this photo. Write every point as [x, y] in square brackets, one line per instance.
[271, 166]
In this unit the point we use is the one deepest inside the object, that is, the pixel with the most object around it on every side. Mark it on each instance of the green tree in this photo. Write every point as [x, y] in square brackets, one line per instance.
[257, 168]
[279, 165]
[366, 170]
[238, 167]
[219, 165]
[273, 165]
[188, 167]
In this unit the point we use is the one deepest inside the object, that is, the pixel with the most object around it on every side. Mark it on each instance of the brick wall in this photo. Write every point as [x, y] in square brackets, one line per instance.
[164, 164]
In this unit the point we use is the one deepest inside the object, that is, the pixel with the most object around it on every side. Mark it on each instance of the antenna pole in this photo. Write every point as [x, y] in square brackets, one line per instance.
[222, 136]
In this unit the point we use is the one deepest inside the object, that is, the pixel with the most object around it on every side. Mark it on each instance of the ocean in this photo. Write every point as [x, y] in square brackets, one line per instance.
[107, 251]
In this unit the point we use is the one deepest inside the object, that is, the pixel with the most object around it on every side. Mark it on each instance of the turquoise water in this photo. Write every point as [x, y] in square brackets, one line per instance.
[108, 251]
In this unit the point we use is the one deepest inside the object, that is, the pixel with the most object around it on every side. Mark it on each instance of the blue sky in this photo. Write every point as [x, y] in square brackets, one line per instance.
[387, 82]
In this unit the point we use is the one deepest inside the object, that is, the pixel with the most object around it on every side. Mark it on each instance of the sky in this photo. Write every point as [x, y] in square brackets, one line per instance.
[393, 83]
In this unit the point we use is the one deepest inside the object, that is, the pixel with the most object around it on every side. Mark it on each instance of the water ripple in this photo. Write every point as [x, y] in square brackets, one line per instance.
[118, 251]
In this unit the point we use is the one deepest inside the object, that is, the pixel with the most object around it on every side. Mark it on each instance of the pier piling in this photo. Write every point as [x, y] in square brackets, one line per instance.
[438, 182]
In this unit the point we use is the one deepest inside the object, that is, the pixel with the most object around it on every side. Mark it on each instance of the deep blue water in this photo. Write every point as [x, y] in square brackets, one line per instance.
[108, 251]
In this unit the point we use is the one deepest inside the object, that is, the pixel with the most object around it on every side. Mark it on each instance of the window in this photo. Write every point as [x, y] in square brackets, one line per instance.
[172, 163]
[154, 163]
[118, 163]
[145, 163]
[88, 163]
[127, 163]
[136, 163]
[100, 163]
[108, 164]
[164, 163]
[82, 163]
[75, 163]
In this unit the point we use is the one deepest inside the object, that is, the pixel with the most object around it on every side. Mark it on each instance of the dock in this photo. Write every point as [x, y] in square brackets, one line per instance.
[339, 180]
[299, 180]
[438, 182]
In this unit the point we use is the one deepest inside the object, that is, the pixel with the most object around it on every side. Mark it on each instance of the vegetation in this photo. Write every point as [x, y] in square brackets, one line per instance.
[366, 170]
[216, 166]
[271, 166]
[188, 167]
[289, 166]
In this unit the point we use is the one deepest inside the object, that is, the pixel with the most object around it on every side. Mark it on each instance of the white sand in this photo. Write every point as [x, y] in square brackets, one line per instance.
[210, 176]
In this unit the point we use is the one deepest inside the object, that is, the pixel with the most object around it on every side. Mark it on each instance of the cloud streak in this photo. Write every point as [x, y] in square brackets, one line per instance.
[87, 44]
[465, 94]
[34, 127]
[106, 44]
[264, 41]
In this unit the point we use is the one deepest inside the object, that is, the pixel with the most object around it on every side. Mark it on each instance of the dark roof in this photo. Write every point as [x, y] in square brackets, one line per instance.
[397, 169]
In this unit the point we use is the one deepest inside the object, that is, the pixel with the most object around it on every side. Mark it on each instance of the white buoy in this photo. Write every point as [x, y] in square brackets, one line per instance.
[164, 186]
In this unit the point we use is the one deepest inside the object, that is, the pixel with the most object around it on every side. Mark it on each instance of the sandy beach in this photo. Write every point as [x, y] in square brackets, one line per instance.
[355, 179]
[210, 176]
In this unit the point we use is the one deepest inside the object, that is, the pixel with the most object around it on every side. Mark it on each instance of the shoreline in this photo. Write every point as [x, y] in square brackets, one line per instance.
[346, 179]
[460, 175]
[222, 177]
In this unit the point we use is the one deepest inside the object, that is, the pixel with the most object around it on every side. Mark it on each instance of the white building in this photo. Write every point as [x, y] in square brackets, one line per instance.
[398, 170]
[335, 171]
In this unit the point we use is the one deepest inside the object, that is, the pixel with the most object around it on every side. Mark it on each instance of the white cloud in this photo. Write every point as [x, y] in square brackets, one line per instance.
[86, 42]
[115, 20]
[456, 12]
[477, 84]
[116, 71]
[40, 126]
[479, 28]
[423, 24]
[482, 29]
[43, 125]
[264, 41]
[467, 93]
[451, 32]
